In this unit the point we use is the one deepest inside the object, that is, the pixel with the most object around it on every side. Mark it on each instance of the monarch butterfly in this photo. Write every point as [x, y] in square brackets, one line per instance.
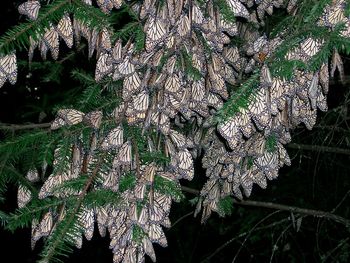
[229, 130]
[179, 139]
[185, 164]
[141, 102]
[214, 101]
[44, 228]
[140, 190]
[257, 45]
[105, 5]
[249, 66]
[313, 90]
[104, 41]
[148, 7]
[87, 220]
[148, 248]
[283, 155]
[80, 29]
[156, 235]
[255, 146]
[8, 69]
[113, 139]
[217, 83]
[43, 49]
[292, 6]
[231, 55]
[2, 78]
[246, 183]
[213, 193]
[321, 101]
[238, 9]
[149, 173]
[117, 3]
[309, 47]
[198, 90]
[161, 121]
[92, 37]
[160, 208]
[23, 196]
[119, 236]
[70, 116]
[277, 95]
[93, 119]
[30, 9]
[51, 40]
[126, 67]
[198, 61]
[183, 27]
[324, 77]
[265, 76]
[173, 84]
[259, 110]
[337, 63]
[267, 161]
[76, 30]
[155, 32]
[259, 177]
[76, 159]
[170, 64]
[131, 85]
[101, 218]
[57, 123]
[333, 14]
[197, 15]
[117, 52]
[244, 123]
[103, 68]
[65, 30]
[124, 154]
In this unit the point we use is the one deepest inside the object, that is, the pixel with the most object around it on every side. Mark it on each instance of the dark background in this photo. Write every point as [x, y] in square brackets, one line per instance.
[316, 180]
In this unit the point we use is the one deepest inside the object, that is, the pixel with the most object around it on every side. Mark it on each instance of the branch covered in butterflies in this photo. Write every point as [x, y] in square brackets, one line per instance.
[320, 148]
[281, 207]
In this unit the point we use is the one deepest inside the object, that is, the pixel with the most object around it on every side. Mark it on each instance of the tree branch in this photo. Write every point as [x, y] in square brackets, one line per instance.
[292, 209]
[318, 148]
[16, 127]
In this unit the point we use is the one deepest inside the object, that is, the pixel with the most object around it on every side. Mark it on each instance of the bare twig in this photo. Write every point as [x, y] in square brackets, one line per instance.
[242, 235]
[341, 243]
[251, 231]
[274, 248]
[341, 201]
[190, 190]
[319, 148]
[181, 218]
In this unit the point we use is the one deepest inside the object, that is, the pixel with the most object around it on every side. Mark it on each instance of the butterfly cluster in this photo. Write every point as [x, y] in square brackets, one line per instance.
[175, 92]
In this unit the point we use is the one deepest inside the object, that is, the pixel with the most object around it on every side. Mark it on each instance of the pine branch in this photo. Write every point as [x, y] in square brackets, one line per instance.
[52, 249]
[18, 36]
[281, 207]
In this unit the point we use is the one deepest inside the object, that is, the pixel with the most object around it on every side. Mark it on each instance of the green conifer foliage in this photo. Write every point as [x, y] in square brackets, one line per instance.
[226, 78]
